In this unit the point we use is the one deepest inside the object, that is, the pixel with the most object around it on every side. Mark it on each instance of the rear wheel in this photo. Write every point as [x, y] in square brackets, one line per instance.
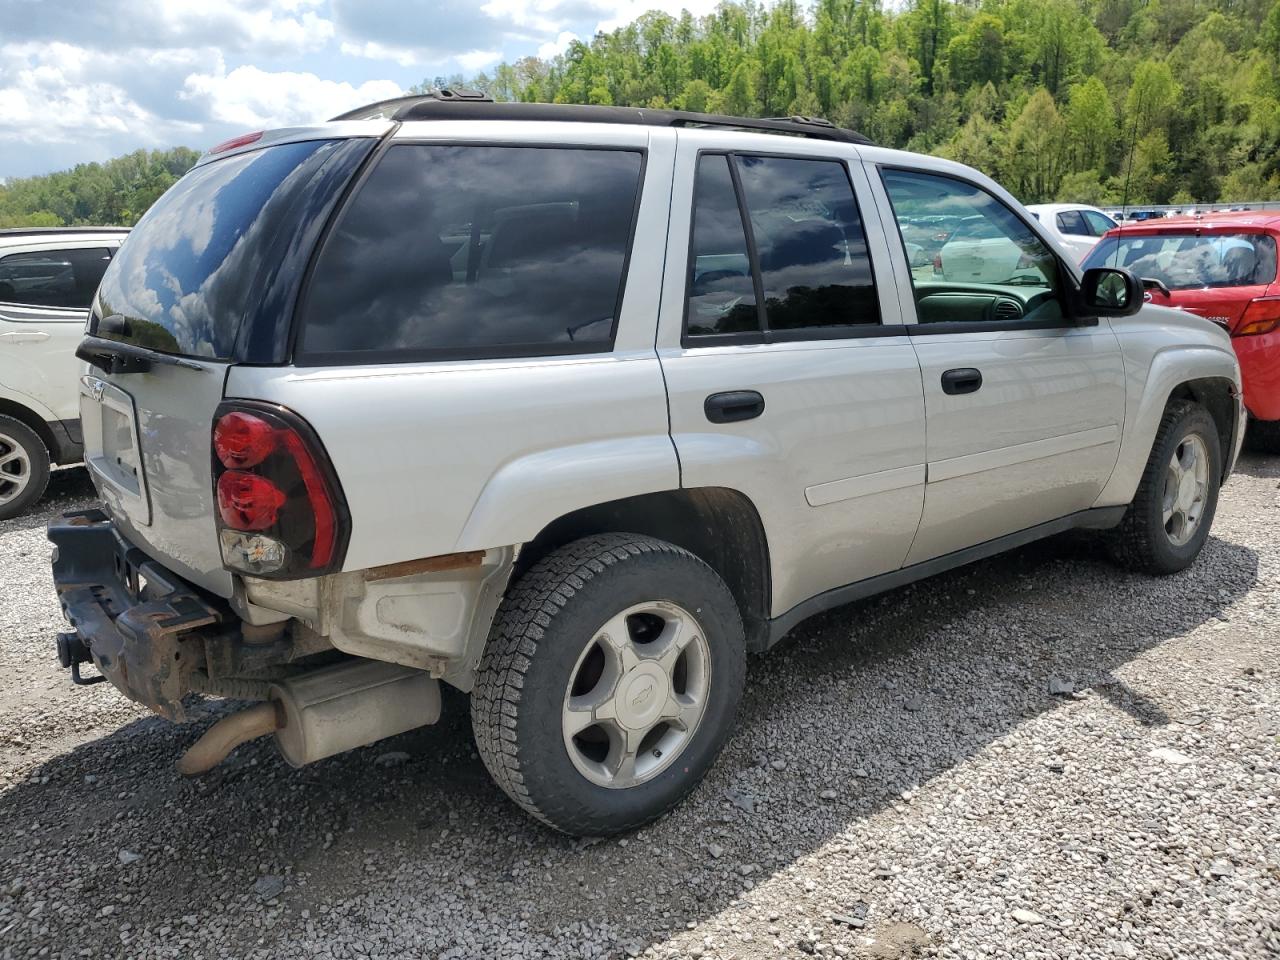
[609, 683]
[1168, 522]
[24, 467]
[1263, 436]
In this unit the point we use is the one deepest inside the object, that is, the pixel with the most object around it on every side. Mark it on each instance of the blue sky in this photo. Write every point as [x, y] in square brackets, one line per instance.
[87, 80]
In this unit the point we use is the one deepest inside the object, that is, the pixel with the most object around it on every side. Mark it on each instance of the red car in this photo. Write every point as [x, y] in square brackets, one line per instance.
[1221, 266]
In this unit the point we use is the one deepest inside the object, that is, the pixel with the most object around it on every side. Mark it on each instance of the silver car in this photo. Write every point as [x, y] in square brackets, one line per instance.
[572, 408]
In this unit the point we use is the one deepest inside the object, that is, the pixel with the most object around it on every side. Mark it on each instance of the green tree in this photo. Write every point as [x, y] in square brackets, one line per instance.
[1091, 126]
[1034, 149]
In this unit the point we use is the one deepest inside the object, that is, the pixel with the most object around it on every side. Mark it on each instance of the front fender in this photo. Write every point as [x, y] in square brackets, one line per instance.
[1151, 378]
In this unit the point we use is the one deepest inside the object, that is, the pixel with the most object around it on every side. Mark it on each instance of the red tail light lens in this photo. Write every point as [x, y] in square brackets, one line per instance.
[247, 501]
[243, 440]
[280, 510]
[937, 262]
[1262, 315]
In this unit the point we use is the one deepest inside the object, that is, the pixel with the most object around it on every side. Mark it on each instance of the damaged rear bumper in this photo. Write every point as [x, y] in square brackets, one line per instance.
[143, 626]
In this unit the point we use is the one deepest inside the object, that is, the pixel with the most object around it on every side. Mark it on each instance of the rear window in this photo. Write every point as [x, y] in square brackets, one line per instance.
[185, 279]
[450, 251]
[1188, 262]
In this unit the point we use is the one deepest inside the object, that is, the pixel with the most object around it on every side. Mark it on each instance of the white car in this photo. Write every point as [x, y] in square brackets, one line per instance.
[47, 278]
[1076, 226]
[574, 407]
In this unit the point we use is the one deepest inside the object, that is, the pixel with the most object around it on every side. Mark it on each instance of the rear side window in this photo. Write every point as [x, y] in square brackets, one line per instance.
[53, 278]
[189, 273]
[475, 251]
[1098, 223]
[782, 257]
[1190, 262]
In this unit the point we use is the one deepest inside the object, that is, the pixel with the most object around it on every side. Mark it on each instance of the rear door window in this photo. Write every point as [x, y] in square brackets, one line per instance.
[450, 251]
[1098, 223]
[778, 251]
[1070, 222]
[53, 278]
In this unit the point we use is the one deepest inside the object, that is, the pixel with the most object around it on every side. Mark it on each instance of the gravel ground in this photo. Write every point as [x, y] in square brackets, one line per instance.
[1038, 756]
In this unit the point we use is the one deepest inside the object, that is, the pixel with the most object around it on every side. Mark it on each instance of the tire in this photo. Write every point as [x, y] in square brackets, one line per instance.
[24, 467]
[1145, 540]
[547, 655]
[1263, 436]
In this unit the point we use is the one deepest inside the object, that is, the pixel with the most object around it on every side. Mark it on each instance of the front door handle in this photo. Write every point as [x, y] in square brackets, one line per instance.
[961, 380]
[733, 406]
[33, 336]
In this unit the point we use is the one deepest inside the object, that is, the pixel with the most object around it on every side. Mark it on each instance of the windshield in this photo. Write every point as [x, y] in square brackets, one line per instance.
[186, 277]
[1185, 261]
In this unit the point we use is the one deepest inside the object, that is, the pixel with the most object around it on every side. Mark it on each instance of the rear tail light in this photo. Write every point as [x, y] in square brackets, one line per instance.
[1261, 315]
[937, 262]
[281, 514]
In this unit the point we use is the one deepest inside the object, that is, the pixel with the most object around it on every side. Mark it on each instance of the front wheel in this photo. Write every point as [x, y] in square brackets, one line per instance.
[1168, 522]
[609, 683]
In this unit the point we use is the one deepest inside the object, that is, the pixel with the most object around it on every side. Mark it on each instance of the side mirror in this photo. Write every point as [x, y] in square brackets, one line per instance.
[1111, 292]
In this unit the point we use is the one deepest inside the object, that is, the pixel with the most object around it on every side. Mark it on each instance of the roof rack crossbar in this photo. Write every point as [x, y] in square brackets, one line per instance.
[471, 105]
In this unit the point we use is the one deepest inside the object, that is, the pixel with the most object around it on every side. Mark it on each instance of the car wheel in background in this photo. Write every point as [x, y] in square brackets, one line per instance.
[609, 683]
[24, 467]
[1168, 522]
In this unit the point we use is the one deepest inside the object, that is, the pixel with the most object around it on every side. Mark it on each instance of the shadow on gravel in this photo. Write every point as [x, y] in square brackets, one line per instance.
[868, 701]
[1255, 464]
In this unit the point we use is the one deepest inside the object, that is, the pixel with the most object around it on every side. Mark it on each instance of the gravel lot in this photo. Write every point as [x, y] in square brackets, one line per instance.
[902, 782]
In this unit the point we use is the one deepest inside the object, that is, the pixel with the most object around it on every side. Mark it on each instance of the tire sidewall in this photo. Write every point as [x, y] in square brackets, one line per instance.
[1168, 554]
[37, 454]
[546, 767]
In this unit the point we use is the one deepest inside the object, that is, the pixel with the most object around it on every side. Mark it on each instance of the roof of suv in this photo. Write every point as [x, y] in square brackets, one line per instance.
[468, 105]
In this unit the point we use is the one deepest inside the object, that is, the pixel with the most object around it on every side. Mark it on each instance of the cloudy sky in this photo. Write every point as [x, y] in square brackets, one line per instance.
[91, 79]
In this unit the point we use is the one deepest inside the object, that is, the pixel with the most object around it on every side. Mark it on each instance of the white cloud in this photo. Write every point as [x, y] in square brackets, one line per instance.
[553, 48]
[477, 59]
[251, 97]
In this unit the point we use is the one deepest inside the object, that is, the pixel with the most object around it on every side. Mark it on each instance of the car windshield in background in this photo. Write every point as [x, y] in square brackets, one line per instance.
[184, 281]
[1185, 261]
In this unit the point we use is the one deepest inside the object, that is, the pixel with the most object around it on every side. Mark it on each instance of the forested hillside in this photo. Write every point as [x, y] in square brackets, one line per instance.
[117, 192]
[1153, 101]
[1064, 99]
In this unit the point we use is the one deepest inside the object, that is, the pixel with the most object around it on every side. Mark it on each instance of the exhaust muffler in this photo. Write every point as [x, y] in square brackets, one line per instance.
[328, 711]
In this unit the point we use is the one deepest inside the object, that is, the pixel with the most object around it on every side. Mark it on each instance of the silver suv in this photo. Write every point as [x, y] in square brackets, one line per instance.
[47, 279]
[571, 408]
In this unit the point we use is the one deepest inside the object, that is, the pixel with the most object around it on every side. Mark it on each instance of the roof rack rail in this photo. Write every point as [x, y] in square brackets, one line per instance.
[472, 105]
[45, 231]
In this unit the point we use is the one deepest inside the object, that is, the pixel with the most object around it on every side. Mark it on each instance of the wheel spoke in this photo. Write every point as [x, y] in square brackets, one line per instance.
[681, 710]
[622, 756]
[11, 456]
[681, 635]
[615, 638]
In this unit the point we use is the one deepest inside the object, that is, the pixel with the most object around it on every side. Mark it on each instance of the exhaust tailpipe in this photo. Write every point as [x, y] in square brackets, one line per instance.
[325, 712]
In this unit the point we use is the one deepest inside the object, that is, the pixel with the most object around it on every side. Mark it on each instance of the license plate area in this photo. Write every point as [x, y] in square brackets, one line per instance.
[111, 449]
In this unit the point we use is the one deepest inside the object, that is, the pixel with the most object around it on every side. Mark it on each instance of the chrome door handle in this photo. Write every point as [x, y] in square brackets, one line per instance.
[34, 336]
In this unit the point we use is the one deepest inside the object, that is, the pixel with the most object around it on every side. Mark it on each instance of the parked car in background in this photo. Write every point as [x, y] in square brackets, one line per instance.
[1221, 266]
[47, 278]
[1076, 226]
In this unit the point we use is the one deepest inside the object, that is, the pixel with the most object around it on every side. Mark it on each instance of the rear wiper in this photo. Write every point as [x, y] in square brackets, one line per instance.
[112, 356]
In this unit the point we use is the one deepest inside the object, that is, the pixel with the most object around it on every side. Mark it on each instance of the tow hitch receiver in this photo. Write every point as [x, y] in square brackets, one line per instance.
[71, 653]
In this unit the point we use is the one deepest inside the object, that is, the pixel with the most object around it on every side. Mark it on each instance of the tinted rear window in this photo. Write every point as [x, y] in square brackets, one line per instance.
[184, 280]
[1189, 262]
[475, 251]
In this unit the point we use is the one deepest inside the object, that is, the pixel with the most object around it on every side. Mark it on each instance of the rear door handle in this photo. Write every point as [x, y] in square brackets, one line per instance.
[733, 406]
[961, 380]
